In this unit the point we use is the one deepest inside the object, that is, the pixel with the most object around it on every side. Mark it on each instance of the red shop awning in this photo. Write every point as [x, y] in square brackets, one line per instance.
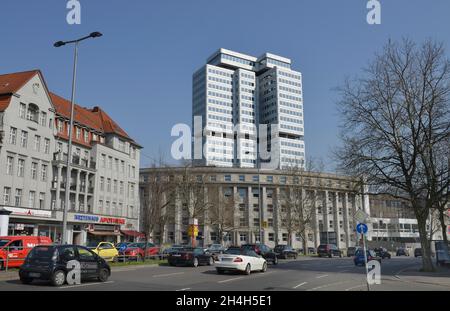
[133, 233]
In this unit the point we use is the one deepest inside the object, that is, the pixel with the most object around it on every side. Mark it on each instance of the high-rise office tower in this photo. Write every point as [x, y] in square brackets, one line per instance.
[233, 94]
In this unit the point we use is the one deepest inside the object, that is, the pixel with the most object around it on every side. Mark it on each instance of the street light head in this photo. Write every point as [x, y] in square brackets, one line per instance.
[58, 44]
[96, 34]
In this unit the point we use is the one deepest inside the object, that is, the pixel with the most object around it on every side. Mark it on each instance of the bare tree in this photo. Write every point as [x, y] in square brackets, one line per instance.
[191, 188]
[221, 213]
[395, 124]
[297, 203]
[158, 201]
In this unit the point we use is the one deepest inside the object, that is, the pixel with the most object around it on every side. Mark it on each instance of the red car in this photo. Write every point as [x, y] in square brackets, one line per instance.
[135, 251]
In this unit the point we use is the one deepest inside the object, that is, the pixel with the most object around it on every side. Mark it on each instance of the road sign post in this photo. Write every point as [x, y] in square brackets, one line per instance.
[362, 229]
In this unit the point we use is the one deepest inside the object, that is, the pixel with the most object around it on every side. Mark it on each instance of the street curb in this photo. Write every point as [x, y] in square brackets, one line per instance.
[413, 280]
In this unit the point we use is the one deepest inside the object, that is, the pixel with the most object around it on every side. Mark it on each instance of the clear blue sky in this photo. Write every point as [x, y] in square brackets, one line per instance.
[140, 71]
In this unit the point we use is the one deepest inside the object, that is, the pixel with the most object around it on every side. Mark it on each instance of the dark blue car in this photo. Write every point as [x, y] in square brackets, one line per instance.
[359, 259]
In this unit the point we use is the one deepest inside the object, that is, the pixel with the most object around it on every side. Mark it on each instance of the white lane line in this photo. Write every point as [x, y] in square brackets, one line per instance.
[167, 274]
[349, 289]
[321, 276]
[328, 285]
[183, 289]
[87, 284]
[301, 284]
[229, 280]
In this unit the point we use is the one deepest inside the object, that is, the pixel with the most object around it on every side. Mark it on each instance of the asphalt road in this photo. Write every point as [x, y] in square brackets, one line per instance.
[304, 274]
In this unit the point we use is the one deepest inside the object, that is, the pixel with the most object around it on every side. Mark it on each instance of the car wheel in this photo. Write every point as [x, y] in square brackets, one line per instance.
[264, 268]
[340, 255]
[248, 269]
[171, 264]
[1, 265]
[58, 278]
[275, 261]
[195, 262]
[330, 255]
[116, 259]
[103, 275]
[139, 258]
[220, 271]
[295, 256]
[211, 261]
[26, 280]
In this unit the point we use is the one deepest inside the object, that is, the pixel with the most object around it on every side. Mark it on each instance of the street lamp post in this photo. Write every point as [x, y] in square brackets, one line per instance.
[69, 151]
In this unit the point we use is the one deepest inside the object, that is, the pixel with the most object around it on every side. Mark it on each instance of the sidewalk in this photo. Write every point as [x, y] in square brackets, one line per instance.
[440, 277]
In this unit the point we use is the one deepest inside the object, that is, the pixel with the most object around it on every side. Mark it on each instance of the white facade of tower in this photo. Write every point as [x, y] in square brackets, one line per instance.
[234, 93]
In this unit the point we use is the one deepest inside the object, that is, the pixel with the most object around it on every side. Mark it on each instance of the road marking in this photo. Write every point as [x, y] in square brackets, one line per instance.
[87, 284]
[328, 285]
[167, 274]
[183, 289]
[321, 276]
[229, 280]
[301, 284]
[349, 289]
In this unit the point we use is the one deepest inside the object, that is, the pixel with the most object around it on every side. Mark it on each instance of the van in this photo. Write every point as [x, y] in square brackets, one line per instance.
[14, 249]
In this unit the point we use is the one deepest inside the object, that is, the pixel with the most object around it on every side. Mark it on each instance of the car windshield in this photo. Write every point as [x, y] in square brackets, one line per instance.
[42, 253]
[279, 247]
[248, 246]
[3, 242]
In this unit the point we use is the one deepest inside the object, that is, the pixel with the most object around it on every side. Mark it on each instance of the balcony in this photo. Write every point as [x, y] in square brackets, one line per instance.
[76, 161]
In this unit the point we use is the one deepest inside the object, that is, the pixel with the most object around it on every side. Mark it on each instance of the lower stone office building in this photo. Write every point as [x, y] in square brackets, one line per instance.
[34, 126]
[218, 193]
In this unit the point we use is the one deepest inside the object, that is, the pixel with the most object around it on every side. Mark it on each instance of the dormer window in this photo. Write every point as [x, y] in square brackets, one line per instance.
[33, 113]
[86, 136]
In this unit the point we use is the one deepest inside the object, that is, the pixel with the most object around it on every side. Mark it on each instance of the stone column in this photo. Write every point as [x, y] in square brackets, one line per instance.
[77, 191]
[325, 209]
[86, 190]
[316, 221]
[58, 188]
[337, 220]
[346, 220]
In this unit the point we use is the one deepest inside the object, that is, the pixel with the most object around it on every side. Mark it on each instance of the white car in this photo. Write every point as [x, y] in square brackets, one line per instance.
[238, 259]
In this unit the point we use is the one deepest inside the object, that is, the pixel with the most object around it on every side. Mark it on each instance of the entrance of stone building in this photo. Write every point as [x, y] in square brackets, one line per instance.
[77, 236]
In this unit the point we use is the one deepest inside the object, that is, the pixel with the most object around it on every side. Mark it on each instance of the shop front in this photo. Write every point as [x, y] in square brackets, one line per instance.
[91, 229]
[34, 222]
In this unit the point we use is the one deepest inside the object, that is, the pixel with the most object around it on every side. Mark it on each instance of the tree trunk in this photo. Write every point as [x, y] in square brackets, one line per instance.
[443, 225]
[304, 242]
[427, 263]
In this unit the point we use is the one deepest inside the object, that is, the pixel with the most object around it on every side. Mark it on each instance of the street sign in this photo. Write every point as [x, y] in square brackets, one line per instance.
[362, 228]
[361, 216]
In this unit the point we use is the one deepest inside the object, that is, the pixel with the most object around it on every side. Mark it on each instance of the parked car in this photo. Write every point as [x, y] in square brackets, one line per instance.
[49, 262]
[328, 250]
[351, 251]
[122, 245]
[216, 250]
[285, 252]
[311, 250]
[402, 252]
[264, 251]
[139, 251]
[106, 250]
[359, 257]
[382, 252]
[189, 256]
[418, 252]
[240, 259]
[165, 251]
[16, 249]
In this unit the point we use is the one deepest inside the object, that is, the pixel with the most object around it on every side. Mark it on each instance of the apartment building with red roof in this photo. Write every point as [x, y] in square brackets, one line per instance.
[34, 127]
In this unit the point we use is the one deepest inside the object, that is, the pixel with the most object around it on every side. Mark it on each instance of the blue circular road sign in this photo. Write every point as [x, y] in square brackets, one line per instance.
[362, 228]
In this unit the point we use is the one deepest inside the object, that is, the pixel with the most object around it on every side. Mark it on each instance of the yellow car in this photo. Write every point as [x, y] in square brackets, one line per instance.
[106, 250]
